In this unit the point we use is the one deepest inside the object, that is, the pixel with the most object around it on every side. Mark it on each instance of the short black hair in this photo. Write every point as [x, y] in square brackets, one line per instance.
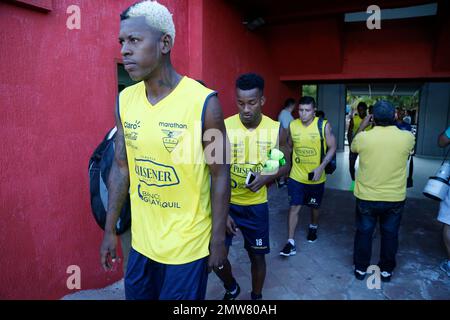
[320, 114]
[362, 105]
[307, 100]
[124, 15]
[249, 81]
[383, 113]
[288, 102]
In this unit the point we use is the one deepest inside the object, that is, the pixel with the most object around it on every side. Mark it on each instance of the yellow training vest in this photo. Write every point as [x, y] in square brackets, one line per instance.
[169, 179]
[357, 123]
[306, 150]
[249, 152]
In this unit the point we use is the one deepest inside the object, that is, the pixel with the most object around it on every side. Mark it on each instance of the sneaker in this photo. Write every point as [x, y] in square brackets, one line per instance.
[386, 276]
[312, 235]
[288, 250]
[230, 295]
[360, 275]
[445, 267]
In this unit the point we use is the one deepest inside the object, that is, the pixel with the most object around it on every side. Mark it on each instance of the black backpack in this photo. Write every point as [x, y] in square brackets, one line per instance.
[331, 166]
[99, 166]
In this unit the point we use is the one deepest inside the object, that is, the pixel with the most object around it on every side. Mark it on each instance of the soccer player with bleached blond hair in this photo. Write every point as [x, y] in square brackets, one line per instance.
[178, 209]
[156, 16]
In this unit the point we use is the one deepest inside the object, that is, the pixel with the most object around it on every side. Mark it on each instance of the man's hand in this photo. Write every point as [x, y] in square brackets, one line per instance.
[317, 173]
[217, 255]
[366, 122]
[231, 226]
[108, 250]
[260, 181]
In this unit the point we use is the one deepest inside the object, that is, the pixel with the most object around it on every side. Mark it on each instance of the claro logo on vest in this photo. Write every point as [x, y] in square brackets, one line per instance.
[134, 126]
[155, 174]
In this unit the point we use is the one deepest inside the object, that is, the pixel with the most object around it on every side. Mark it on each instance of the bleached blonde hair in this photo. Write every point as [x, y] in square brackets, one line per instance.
[156, 15]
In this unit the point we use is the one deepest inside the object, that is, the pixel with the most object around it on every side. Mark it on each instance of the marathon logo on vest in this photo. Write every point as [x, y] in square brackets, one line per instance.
[170, 139]
[155, 174]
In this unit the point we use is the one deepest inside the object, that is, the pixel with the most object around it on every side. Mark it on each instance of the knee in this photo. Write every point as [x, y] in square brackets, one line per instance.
[258, 260]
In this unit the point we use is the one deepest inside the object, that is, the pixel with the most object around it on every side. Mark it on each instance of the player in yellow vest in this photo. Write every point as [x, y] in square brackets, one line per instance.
[252, 136]
[353, 127]
[306, 182]
[179, 194]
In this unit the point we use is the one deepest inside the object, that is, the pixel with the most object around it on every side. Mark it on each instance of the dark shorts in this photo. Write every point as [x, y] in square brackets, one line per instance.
[253, 221]
[301, 194]
[150, 280]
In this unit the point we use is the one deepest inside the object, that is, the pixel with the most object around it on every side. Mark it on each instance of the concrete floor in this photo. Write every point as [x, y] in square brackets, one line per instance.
[323, 270]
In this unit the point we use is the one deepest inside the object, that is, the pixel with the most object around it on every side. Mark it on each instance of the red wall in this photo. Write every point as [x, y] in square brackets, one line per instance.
[57, 94]
[328, 49]
[229, 50]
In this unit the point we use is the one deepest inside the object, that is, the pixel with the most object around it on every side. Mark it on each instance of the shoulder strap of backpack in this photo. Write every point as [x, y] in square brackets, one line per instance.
[319, 126]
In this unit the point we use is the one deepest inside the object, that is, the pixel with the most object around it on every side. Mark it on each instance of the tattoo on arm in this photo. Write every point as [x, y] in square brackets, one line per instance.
[118, 180]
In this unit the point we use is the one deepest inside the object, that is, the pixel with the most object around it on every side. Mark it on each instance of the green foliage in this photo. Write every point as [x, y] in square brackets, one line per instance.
[406, 102]
[309, 90]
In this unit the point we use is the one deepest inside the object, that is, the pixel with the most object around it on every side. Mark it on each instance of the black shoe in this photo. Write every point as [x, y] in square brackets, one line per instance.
[385, 276]
[312, 234]
[360, 275]
[232, 296]
[288, 250]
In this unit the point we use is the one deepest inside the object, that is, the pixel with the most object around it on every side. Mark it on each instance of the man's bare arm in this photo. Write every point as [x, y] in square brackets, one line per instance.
[331, 146]
[118, 186]
[220, 180]
[350, 131]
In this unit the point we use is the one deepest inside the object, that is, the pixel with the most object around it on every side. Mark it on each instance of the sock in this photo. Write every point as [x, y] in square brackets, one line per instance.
[256, 296]
[313, 226]
[291, 241]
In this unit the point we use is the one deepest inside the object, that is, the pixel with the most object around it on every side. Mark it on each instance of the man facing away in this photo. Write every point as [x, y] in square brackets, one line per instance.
[285, 117]
[252, 136]
[380, 188]
[306, 182]
[179, 208]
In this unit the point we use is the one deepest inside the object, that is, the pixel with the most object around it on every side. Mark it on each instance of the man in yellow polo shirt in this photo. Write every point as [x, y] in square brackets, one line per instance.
[380, 188]
[179, 194]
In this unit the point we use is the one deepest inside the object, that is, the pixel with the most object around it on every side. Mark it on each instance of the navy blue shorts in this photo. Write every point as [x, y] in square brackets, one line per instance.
[301, 194]
[150, 280]
[253, 221]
